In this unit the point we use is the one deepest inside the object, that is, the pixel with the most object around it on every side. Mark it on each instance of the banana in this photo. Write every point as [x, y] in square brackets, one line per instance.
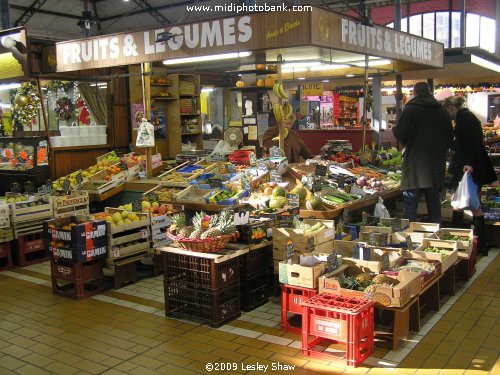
[278, 113]
[287, 110]
[276, 89]
[285, 134]
[282, 92]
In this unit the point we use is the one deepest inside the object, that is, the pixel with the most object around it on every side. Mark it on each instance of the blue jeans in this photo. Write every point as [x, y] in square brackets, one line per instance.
[432, 200]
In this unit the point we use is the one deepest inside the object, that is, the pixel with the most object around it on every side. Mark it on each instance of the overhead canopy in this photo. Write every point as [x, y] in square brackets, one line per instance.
[251, 32]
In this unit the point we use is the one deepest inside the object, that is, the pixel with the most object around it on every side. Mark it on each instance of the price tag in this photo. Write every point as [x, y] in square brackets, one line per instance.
[66, 185]
[276, 177]
[116, 252]
[397, 225]
[332, 261]
[341, 181]
[253, 159]
[284, 221]
[317, 185]
[215, 182]
[293, 199]
[289, 251]
[144, 233]
[230, 168]
[261, 165]
[310, 244]
[309, 181]
[29, 188]
[241, 218]
[79, 178]
[45, 189]
[409, 243]
[123, 166]
[321, 170]
[245, 183]
[385, 261]
[152, 197]
[137, 206]
[15, 188]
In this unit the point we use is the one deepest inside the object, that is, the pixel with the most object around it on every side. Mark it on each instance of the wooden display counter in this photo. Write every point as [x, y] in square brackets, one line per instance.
[315, 139]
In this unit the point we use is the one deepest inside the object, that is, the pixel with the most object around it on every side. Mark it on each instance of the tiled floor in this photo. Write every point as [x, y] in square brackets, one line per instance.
[125, 332]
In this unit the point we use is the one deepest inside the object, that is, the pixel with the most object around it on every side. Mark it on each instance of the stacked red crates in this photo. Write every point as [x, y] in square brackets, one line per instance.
[199, 288]
[347, 322]
[30, 249]
[291, 306]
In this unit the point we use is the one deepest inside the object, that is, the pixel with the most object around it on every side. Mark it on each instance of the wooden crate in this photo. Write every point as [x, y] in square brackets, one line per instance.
[39, 208]
[28, 227]
[6, 235]
[4, 216]
[193, 195]
[103, 187]
[143, 221]
[158, 188]
[74, 204]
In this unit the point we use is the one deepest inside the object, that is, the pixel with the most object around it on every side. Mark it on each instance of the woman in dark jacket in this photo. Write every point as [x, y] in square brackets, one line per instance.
[470, 157]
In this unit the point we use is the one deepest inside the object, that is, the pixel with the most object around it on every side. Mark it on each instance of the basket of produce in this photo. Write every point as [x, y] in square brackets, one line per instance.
[207, 234]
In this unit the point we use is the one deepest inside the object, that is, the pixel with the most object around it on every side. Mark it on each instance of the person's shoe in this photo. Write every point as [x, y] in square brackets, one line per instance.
[479, 231]
[458, 219]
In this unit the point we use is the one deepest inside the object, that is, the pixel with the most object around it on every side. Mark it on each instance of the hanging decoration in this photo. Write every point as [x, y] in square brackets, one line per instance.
[26, 103]
[64, 108]
[82, 112]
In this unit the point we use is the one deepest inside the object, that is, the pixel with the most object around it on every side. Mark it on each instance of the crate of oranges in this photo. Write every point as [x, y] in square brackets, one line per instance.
[111, 173]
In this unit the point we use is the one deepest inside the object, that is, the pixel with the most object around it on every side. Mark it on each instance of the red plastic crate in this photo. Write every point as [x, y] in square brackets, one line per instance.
[5, 255]
[291, 302]
[76, 271]
[30, 249]
[338, 320]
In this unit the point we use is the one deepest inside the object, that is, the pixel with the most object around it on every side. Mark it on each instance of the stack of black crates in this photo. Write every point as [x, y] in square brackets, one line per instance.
[254, 277]
[202, 286]
[77, 248]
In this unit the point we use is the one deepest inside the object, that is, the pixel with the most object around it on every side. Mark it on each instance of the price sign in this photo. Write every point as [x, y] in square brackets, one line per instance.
[409, 243]
[152, 197]
[230, 168]
[143, 175]
[317, 185]
[215, 182]
[15, 188]
[261, 165]
[321, 170]
[245, 183]
[66, 185]
[136, 206]
[144, 233]
[385, 261]
[123, 166]
[310, 244]
[284, 221]
[276, 177]
[79, 178]
[341, 181]
[293, 199]
[253, 159]
[29, 188]
[397, 224]
[241, 217]
[45, 189]
[332, 261]
[289, 251]
[275, 152]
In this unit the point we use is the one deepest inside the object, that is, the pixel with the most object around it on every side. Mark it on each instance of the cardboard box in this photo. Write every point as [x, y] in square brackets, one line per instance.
[447, 260]
[304, 242]
[375, 237]
[464, 246]
[322, 248]
[416, 231]
[382, 260]
[303, 276]
[409, 286]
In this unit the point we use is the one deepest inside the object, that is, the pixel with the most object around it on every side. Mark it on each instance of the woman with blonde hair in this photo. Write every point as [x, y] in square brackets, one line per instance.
[470, 157]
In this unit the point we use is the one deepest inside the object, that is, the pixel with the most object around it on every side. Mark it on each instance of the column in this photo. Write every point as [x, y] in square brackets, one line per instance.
[377, 108]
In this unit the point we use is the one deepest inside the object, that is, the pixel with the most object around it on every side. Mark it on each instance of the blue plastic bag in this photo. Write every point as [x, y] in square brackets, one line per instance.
[466, 195]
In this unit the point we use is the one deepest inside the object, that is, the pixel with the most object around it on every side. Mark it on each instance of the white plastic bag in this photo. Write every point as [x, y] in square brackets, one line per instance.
[466, 194]
[380, 210]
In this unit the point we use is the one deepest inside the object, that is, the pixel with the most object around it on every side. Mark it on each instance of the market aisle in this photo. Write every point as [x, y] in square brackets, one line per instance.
[466, 340]
[125, 332]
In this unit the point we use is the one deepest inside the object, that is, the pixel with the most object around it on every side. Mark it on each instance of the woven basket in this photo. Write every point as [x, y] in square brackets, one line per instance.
[207, 245]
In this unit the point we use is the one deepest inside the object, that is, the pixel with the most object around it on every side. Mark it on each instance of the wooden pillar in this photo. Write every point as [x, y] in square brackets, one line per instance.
[280, 101]
[146, 89]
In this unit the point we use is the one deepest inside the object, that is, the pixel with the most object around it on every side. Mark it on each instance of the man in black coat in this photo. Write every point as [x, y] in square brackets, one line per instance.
[425, 131]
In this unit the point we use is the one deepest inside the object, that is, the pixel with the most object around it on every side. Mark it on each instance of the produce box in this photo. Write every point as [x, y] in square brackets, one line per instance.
[416, 231]
[193, 194]
[463, 237]
[375, 236]
[306, 277]
[35, 208]
[76, 239]
[232, 199]
[395, 223]
[143, 221]
[4, 216]
[426, 268]
[448, 256]
[254, 232]
[279, 253]
[74, 204]
[366, 258]
[304, 241]
[163, 194]
[159, 225]
[397, 296]
[99, 187]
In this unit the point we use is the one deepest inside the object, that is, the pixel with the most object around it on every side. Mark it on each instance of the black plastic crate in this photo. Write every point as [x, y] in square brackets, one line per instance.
[273, 287]
[198, 271]
[215, 307]
[253, 291]
[254, 261]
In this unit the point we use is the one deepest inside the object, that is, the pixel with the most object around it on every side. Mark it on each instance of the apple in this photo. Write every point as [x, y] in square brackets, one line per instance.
[124, 214]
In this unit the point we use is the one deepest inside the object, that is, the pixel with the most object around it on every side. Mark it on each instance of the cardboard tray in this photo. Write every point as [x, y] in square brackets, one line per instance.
[297, 275]
[464, 246]
[446, 262]
[194, 195]
[304, 242]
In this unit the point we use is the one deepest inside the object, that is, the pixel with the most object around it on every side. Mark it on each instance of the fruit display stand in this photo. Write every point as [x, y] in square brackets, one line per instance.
[163, 194]
[99, 191]
[128, 242]
[76, 203]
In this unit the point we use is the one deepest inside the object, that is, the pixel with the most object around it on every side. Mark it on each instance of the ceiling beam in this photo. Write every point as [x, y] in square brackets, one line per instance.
[153, 12]
[29, 12]
[98, 21]
[48, 12]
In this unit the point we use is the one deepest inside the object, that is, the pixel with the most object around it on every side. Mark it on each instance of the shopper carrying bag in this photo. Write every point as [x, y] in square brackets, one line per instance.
[471, 158]
[466, 194]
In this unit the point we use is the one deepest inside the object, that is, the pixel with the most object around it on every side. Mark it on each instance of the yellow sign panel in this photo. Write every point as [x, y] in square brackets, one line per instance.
[312, 90]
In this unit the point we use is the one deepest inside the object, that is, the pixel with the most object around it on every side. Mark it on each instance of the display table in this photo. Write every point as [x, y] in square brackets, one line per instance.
[315, 139]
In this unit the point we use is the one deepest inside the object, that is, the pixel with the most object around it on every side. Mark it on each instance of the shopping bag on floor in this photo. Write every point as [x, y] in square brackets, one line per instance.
[380, 210]
[466, 194]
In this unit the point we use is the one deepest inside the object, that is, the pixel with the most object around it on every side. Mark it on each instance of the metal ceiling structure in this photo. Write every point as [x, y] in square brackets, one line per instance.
[57, 19]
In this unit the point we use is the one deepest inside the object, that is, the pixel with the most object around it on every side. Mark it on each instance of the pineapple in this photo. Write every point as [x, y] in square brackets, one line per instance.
[179, 222]
[226, 222]
[197, 221]
[383, 279]
[364, 278]
[213, 230]
[370, 289]
[185, 232]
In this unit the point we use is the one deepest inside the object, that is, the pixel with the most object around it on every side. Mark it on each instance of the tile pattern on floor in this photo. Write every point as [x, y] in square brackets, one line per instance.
[118, 335]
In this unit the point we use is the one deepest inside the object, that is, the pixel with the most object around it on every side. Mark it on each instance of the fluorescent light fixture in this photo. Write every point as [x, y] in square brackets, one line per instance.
[325, 81]
[8, 42]
[329, 67]
[9, 86]
[207, 89]
[222, 56]
[370, 78]
[293, 70]
[373, 63]
[349, 75]
[301, 78]
[484, 63]
[300, 64]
